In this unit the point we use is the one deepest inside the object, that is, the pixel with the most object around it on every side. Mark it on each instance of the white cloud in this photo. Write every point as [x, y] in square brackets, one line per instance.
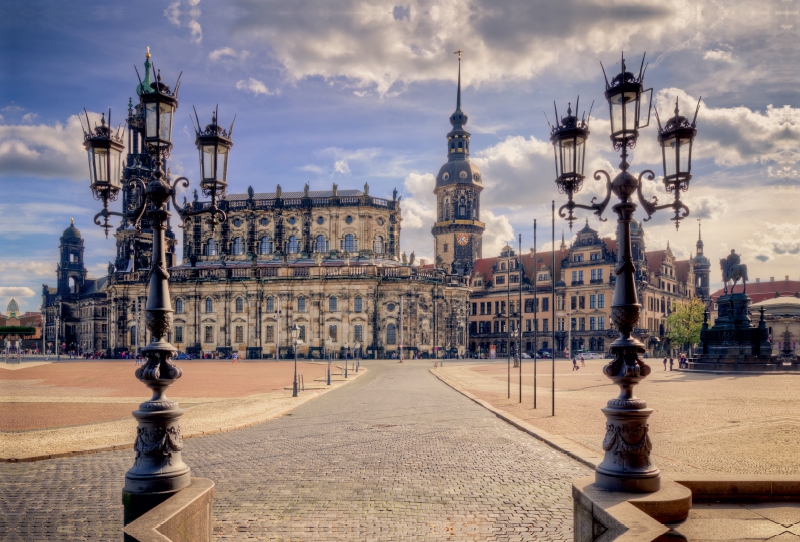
[186, 18]
[717, 55]
[42, 150]
[227, 52]
[341, 167]
[29, 117]
[16, 291]
[255, 86]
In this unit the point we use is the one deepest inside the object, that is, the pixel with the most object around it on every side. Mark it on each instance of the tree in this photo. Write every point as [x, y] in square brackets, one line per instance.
[685, 322]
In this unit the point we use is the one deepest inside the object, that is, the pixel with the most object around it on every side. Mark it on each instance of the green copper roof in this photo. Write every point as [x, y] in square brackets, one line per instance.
[144, 86]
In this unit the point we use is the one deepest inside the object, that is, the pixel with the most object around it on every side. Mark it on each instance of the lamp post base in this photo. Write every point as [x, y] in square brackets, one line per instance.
[626, 465]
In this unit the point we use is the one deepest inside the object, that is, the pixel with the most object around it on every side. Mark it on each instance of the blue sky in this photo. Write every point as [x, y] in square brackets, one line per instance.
[355, 91]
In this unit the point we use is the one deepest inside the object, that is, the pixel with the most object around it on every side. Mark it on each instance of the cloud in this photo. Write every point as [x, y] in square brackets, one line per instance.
[717, 55]
[179, 17]
[29, 117]
[227, 52]
[778, 240]
[13, 109]
[42, 150]
[16, 291]
[341, 167]
[255, 86]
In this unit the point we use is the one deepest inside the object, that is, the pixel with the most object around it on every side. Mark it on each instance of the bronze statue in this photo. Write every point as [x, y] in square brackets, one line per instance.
[733, 269]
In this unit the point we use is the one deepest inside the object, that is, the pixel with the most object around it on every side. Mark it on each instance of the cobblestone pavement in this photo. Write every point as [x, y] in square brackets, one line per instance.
[395, 455]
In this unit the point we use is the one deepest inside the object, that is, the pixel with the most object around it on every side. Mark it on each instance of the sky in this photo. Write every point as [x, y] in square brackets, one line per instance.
[355, 91]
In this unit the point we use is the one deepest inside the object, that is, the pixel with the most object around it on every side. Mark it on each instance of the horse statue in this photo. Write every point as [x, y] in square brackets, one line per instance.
[733, 269]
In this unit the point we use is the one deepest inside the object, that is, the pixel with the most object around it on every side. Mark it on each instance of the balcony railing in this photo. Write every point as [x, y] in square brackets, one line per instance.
[577, 283]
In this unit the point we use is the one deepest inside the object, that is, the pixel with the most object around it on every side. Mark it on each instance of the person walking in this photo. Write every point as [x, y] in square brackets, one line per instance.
[575, 363]
[670, 363]
[583, 361]
[665, 363]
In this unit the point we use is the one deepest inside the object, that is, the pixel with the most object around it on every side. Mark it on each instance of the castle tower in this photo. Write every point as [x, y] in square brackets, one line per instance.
[71, 272]
[458, 231]
[702, 270]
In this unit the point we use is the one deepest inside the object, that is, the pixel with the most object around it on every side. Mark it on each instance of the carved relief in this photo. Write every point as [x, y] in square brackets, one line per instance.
[157, 442]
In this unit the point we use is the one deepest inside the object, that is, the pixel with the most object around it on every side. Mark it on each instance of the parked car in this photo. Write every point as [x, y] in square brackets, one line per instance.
[592, 355]
[525, 356]
[182, 356]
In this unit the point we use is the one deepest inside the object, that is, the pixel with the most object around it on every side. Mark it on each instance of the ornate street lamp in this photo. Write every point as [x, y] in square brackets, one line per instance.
[346, 357]
[295, 335]
[158, 470]
[626, 465]
[329, 355]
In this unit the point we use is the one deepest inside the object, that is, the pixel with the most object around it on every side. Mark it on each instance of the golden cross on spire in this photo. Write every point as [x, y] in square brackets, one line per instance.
[458, 53]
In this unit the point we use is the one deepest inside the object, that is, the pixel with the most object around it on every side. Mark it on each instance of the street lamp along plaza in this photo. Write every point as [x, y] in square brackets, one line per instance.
[626, 465]
[295, 336]
[158, 470]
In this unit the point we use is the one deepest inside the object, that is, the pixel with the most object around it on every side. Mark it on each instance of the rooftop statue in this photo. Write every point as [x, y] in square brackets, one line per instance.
[733, 269]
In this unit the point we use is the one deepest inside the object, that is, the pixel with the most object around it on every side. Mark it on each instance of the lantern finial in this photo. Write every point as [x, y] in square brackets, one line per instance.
[148, 52]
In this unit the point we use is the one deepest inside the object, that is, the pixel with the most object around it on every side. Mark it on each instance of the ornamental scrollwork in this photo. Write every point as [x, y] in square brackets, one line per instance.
[636, 443]
[157, 441]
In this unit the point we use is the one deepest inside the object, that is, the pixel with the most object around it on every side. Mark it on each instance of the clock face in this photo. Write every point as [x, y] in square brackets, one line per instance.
[462, 239]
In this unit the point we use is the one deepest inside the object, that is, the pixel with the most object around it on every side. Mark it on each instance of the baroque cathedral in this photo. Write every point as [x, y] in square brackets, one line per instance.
[328, 261]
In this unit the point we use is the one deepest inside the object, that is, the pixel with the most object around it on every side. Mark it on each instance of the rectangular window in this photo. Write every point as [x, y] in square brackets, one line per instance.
[545, 304]
[560, 324]
[601, 323]
[496, 326]
[577, 258]
[592, 301]
[178, 334]
[599, 274]
[503, 307]
[528, 324]
[474, 309]
[497, 307]
[270, 335]
[500, 280]
[332, 333]
[104, 328]
[545, 326]
[601, 301]
[560, 303]
[302, 333]
[359, 332]
[582, 323]
[209, 335]
[573, 302]
[592, 323]
[483, 308]
[582, 302]
[580, 276]
[574, 324]
[574, 276]
[514, 279]
[594, 274]
[239, 334]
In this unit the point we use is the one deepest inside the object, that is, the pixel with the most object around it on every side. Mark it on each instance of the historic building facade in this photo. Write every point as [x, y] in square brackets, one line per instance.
[75, 312]
[458, 231]
[584, 290]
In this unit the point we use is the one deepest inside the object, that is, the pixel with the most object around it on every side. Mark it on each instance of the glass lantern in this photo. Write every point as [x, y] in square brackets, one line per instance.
[104, 150]
[569, 145]
[676, 139]
[629, 106]
[214, 145]
[159, 105]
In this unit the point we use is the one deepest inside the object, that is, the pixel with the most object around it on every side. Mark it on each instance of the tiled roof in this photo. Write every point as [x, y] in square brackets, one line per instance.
[759, 291]
[654, 260]
[484, 265]
[682, 268]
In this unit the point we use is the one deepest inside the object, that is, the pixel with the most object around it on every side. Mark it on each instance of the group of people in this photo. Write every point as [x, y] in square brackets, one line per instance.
[575, 362]
[683, 363]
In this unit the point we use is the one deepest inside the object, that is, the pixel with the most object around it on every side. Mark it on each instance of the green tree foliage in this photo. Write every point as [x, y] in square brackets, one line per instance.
[685, 322]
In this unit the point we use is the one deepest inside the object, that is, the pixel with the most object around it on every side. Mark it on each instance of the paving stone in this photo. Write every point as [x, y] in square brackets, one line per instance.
[396, 455]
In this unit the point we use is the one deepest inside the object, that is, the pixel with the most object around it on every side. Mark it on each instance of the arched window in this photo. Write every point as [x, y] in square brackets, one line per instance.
[378, 245]
[301, 304]
[332, 333]
[237, 248]
[502, 266]
[333, 304]
[270, 304]
[359, 304]
[349, 243]
[294, 247]
[447, 209]
[179, 306]
[209, 305]
[320, 245]
[265, 246]
[239, 304]
[210, 248]
[391, 334]
[461, 336]
[462, 207]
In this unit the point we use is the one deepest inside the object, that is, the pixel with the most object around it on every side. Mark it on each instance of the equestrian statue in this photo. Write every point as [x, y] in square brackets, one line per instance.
[733, 269]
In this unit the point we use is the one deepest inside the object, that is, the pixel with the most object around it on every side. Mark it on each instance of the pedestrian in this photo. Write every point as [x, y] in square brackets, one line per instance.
[670, 363]
[234, 358]
[583, 361]
[665, 363]
[574, 363]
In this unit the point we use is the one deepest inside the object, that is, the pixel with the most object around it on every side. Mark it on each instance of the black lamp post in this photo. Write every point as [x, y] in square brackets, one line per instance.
[329, 355]
[626, 465]
[295, 335]
[357, 355]
[158, 470]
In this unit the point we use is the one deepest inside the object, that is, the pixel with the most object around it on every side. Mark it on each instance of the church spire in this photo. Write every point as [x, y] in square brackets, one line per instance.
[699, 239]
[458, 94]
[563, 244]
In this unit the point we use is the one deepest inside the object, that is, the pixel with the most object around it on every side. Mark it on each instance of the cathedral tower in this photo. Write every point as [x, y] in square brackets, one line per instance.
[71, 272]
[702, 270]
[458, 231]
